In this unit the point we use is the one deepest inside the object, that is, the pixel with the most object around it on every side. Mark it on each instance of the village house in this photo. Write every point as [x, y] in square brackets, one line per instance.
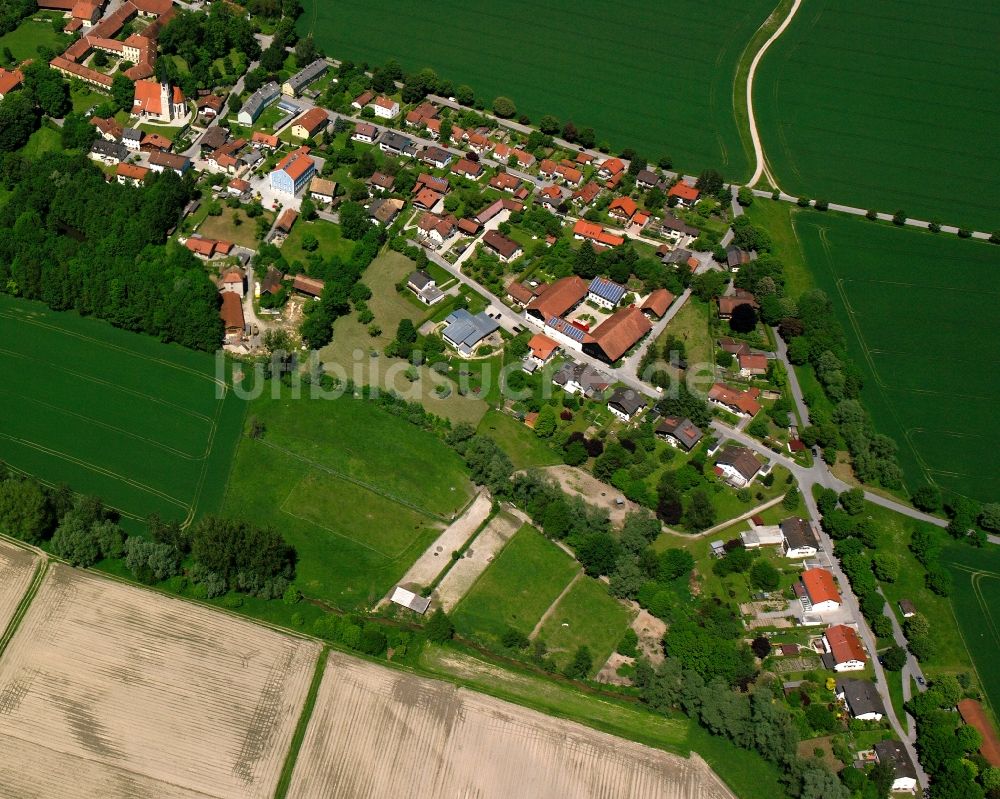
[594, 233]
[231, 314]
[617, 335]
[657, 303]
[734, 347]
[752, 364]
[380, 183]
[842, 649]
[108, 152]
[730, 302]
[467, 169]
[646, 179]
[586, 194]
[687, 196]
[542, 349]
[266, 140]
[130, 174]
[610, 168]
[861, 699]
[572, 335]
[556, 299]
[503, 153]
[426, 199]
[109, 129]
[132, 139]
[210, 106]
[293, 172]
[570, 175]
[735, 258]
[904, 775]
[397, 144]
[679, 431]
[296, 83]
[238, 187]
[605, 293]
[311, 124]
[365, 132]
[506, 249]
[798, 538]
[424, 287]
[362, 100]
[817, 591]
[552, 198]
[207, 248]
[679, 232]
[322, 190]
[626, 403]
[384, 211]
[257, 102]
[420, 115]
[465, 331]
[504, 181]
[520, 293]
[741, 403]
[154, 141]
[737, 465]
[623, 209]
[234, 280]
[437, 229]
[10, 79]
[469, 227]
[384, 107]
[581, 378]
[435, 157]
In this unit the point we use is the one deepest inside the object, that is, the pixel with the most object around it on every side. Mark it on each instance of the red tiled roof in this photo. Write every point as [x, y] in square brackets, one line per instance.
[308, 285]
[618, 334]
[504, 181]
[520, 293]
[754, 362]
[587, 193]
[844, 644]
[132, 172]
[569, 174]
[658, 301]
[683, 191]
[820, 586]
[613, 166]
[594, 232]
[259, 137]
[466, 167]
[730, 303]
[201, 246]
[557, 298]
[287, 219]
[626, 206]
[312, 120]
[542, 346]
[745, 401]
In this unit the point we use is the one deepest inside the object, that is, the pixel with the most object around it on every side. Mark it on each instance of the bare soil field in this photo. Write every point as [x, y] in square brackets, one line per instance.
[17, 567]
[477, 557]
[578, 482]
[378, 732]
[111, 691]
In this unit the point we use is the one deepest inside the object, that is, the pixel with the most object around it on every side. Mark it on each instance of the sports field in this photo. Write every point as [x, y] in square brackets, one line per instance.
[658, 78]
[887, 105]
[114, 414]
[976, 598]
[919, 311]
[359, 493]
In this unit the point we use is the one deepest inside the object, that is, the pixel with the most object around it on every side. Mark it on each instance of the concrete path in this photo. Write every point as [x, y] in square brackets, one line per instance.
[729, 522]
[480, 554]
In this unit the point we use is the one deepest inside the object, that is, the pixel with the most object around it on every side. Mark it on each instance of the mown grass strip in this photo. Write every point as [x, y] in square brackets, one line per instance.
[300, 729]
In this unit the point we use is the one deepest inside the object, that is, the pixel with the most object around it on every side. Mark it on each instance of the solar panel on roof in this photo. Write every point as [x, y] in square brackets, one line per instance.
[607, 289]
[564, 327]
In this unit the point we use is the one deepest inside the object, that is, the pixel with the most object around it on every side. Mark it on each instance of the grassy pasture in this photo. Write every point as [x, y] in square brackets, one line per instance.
[886, 106]
[112, 413]
[976, 600]
[587, 615]
[522, 581]
[659, 79]
[27, 37]
[918, 310]
[518, 441]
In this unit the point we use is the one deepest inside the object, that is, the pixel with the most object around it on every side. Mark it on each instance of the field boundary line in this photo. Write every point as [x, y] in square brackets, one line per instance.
[299, 735]
[361, 483]
[555, 602]
[24, 605]
[965, 642]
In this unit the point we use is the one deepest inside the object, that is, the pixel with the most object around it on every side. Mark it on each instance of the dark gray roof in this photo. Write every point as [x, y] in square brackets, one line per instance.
[671, 222]
[736, 257]
[307, 75]
[435, 155]
[256, 102]
[798, 533]
[419, 279]
[894, 753]
[861, 697]
[109, 149]
[584, 374]
[627, 400]
[397, 142]
[132, 134]
[647, 176]
[684, 431]
[677, 257]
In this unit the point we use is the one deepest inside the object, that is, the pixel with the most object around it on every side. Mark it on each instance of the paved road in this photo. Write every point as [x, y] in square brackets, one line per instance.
[758, 149]
[910, 669]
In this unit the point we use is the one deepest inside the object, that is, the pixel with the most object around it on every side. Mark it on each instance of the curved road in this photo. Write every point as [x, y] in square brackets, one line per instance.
[758, 149]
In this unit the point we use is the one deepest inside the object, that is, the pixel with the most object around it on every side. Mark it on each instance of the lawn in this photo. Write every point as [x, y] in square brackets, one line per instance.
[224, 227]
[114, 414]
[919, 312]
[919, 90]
[356, 353]
[976, 601]
[690, 325]
[524, 448]
[84, 98]
[586, 616]
[25, 40]
[682, 108]
[331, 242]
[44, 140]
[515, 591]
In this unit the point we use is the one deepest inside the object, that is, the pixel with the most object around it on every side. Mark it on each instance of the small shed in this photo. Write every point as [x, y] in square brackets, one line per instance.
[408, 599]
[718, 548]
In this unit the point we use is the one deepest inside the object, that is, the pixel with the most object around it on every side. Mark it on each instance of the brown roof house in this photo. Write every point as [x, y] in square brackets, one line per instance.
[618, 334]
[679, 432]
[558, 298]
[738, 466]
[506, 249]
[231, 314]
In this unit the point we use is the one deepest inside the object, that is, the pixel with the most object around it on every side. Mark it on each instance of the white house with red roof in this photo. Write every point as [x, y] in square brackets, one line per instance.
[159, 102]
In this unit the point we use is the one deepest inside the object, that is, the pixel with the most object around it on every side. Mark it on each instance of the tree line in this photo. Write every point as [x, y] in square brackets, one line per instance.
[105, 257]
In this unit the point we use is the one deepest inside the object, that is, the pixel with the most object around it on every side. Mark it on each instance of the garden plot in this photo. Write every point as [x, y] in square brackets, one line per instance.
[377, 732]
[112, 691]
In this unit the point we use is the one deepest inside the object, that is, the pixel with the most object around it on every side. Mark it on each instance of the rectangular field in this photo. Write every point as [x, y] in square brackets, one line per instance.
[115, 414]
[887, 105]
[17, 567]
[109, 690]
[659, 79]
[919, 313]
[525, 578]
[378, 732]
[586, 616]
[976, 600]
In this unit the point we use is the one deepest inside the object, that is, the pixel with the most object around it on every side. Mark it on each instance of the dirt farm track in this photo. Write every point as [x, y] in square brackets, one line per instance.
[381, 733]
[107, 690]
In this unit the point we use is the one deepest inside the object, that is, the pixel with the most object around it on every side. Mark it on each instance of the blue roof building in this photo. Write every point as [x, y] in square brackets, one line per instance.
[464, 331]
[605, 293]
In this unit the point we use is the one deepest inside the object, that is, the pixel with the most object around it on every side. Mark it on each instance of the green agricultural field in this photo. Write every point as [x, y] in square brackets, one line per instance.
[888, 106]
[114, 414]
[586, 616]
[976, 600]
[659, 78]
[358, 492]
[524, 448]
[515, 591]
[918, 310]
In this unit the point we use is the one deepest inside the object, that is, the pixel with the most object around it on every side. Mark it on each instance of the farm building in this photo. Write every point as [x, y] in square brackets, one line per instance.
[605, 293]
[618, 334]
